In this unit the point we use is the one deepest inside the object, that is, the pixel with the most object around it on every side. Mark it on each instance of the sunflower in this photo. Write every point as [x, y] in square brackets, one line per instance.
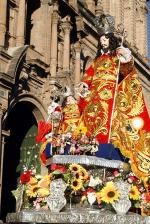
[78, 175]
[76, 184]
[43, 192]
[84, 173]
[134, 193]
[32, 191]
[109, 193]
[74, 168]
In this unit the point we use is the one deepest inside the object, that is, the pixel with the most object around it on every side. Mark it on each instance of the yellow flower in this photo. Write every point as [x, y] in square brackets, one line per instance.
[78, 175]
[32, 191]
[134, 193]
[45, 181]
[81, 129]
[76, 184]
[84, 173]
[109, 193]
[33, 180]
[74, 168]
[43, 192]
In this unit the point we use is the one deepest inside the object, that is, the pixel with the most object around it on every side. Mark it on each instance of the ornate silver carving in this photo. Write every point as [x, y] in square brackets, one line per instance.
[80, 216]
[122, 206]
[56, 200]
[85, 160]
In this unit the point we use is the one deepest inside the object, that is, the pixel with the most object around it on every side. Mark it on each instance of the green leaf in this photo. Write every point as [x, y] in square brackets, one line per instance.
[56, 172]
[66, 176]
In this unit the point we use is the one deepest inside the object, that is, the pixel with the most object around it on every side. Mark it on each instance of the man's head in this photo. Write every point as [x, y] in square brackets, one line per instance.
[104, 42]
[108, 42]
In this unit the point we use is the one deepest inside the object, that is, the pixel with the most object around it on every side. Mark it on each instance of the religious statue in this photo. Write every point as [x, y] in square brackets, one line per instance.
[111, 101]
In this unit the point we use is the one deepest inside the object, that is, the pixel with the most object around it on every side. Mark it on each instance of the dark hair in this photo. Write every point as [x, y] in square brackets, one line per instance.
[114, 42]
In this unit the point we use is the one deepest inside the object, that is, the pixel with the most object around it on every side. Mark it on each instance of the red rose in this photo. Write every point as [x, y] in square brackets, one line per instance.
[25, 177]
[53, 166]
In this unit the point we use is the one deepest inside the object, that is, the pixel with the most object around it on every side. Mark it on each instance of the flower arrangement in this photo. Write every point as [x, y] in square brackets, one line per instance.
[102, 192]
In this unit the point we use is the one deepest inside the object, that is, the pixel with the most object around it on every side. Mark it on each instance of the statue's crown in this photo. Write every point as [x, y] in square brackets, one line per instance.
[105, 24]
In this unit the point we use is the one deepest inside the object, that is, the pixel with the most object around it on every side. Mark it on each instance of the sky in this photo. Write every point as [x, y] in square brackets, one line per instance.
[149, 31]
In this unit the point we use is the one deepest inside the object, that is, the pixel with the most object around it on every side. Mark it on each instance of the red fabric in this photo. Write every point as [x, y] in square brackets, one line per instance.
[96, 108]
[82, 104]
[43, 129]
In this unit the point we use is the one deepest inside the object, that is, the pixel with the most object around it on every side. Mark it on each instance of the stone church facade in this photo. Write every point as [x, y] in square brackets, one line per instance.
[45, 45]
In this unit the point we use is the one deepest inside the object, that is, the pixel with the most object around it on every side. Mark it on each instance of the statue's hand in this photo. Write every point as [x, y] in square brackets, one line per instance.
[124, 54]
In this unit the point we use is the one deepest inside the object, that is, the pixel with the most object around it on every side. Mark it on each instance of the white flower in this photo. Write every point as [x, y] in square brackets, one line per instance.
[91, 197]
[93, 182]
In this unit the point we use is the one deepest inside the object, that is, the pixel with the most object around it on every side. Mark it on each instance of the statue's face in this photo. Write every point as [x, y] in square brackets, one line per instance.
[104, 41]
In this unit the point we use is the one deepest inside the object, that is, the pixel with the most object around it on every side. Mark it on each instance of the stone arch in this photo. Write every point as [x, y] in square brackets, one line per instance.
[18, 54]
[23, 114]
[38, 109]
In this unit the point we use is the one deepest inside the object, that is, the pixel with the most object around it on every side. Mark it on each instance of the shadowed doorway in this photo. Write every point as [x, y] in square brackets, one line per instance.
[23, 128]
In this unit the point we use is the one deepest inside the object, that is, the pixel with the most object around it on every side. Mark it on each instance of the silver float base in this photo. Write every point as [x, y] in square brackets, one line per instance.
[76, 216]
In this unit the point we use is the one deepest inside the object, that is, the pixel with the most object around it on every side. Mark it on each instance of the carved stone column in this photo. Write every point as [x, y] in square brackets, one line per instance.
[54, 42]
[3, 134]
[1, 153]
[77, 62]
[21, 23]
[99, 8]
[66, 57]
[41, 19]
[60, 56]
[3, 8]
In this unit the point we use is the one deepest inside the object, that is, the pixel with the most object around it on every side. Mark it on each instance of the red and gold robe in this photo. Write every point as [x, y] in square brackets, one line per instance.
[71, 116]
[115, 125]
